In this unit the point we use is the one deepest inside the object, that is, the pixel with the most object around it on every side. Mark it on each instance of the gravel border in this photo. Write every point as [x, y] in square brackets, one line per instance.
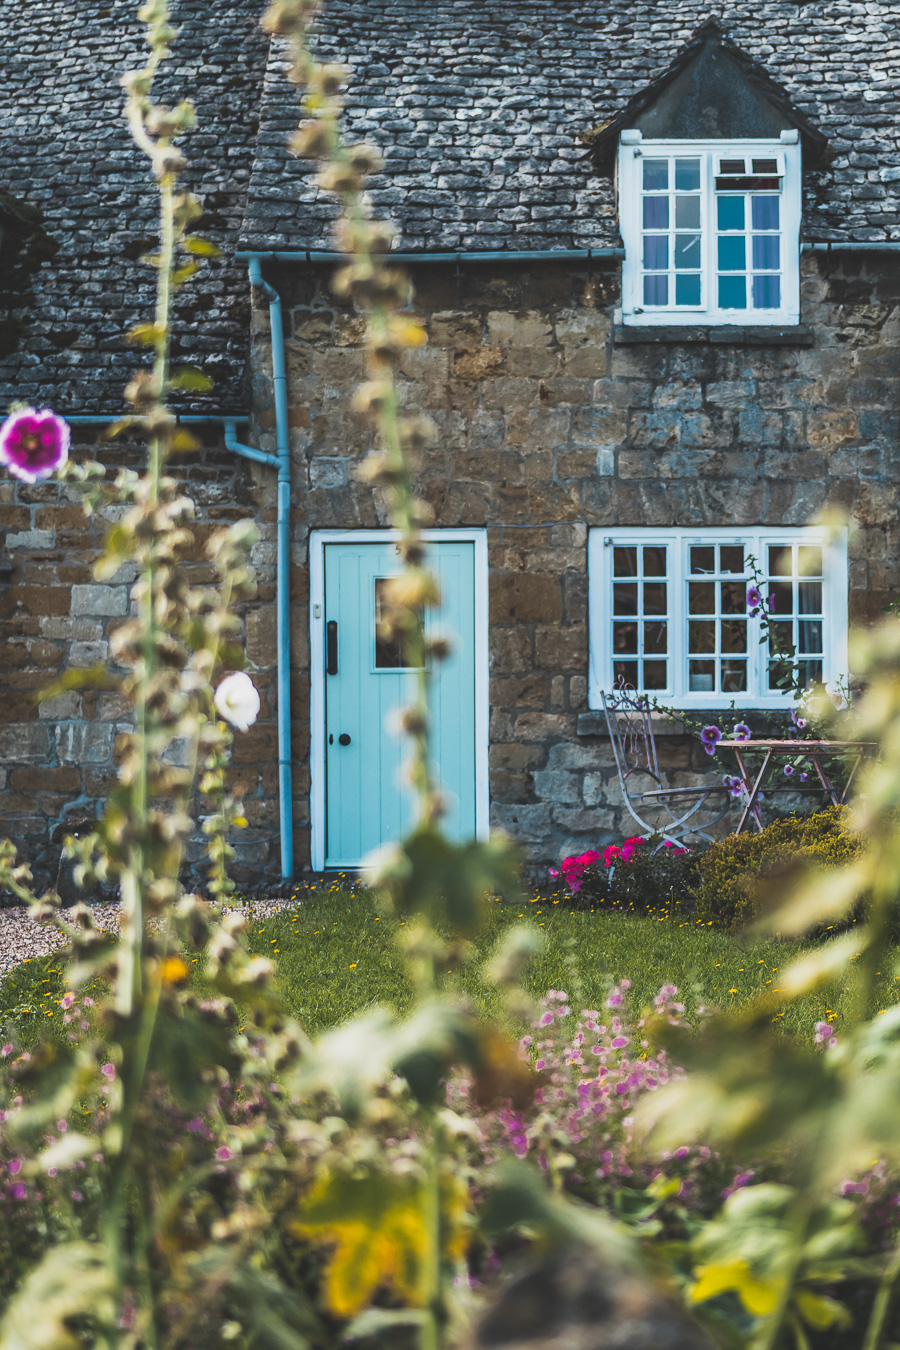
[22, 939]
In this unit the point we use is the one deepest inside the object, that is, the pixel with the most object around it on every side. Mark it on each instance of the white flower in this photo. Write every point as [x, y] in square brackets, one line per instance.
[237, 700]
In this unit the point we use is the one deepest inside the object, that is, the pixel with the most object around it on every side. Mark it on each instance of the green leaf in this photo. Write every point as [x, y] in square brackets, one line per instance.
[91, 677]
[184, 273]
[146, 334]
[375, 1320]
[73, 1281]
[201, 248]
[192, 380]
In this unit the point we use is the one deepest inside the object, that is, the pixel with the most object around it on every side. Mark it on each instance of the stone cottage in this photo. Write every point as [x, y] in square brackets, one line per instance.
[655, 249]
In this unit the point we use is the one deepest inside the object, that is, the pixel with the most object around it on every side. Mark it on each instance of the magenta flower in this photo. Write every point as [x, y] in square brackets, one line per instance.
[709, 737]
[788, 770]
[34, 444]
[5, 1051]
[741, 732]
[224, 1154]
[18, 1191]
[754, 599]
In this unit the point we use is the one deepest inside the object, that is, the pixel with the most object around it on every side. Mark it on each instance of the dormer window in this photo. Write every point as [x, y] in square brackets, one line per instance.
[711, 231]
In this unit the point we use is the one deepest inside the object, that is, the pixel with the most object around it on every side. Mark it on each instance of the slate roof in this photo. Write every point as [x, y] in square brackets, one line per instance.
[479, 105]
[65, 149]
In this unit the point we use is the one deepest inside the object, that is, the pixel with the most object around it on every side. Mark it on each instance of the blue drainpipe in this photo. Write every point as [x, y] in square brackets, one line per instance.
[281, 460]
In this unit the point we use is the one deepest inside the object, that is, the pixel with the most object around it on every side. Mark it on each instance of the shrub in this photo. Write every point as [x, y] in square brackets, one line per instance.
[733, 872]
[631, 878]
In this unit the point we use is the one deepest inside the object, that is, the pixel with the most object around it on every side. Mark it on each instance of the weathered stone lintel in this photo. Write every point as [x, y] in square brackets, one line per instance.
[799, 336]
[594, 724]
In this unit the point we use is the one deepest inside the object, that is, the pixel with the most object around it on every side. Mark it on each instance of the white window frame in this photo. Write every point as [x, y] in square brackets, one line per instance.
[633, 149]
[755, 539]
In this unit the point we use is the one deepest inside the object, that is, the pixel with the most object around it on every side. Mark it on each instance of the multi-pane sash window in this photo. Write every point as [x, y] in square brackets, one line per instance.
[673, 613]
[711, 231]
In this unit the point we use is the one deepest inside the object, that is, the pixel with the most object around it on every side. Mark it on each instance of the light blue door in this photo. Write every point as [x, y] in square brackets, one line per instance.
[367, 802]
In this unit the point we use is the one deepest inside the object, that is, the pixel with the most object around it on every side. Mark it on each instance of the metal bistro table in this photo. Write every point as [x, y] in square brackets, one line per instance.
[813, 751]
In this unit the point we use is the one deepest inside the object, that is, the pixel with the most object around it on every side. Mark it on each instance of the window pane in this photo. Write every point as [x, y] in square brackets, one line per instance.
[731, 558]
[809, 560]
[656, 252]
[687, 175]
[701, 636]
[764, 213]
[810, 636]
[766, 291]
[687, 251]
[703, 558]
[655, 560]
[656, 213]
[656, 175]
[388, 650]
[734, 597]
[687, 288]
[781, 639]
[656, 290]
[687, 213]
[732, 253]
[626, 672]
[655, 637]
[625, 561]
[810, 672]
[781, 597]
[734, 677]
[625, 597]
[655, 674]
[810, 597]
[732, 292]
[654, 597]
[766, 251]
[625, 638]
[730, 213]
[779, 560]
[734, 635]
[701, 597]
[701, 676]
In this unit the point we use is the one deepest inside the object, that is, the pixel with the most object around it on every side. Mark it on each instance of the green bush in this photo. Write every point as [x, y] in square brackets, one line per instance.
[733, 872]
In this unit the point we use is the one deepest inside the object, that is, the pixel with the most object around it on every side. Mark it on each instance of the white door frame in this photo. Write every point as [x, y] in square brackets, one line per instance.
[317, 541]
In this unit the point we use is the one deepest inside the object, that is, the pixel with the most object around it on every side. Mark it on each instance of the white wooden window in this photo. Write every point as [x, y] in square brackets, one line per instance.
[669, 613]
[711, 231]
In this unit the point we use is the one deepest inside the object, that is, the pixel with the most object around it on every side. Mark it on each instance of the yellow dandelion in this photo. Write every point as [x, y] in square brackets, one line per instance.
[174, 970]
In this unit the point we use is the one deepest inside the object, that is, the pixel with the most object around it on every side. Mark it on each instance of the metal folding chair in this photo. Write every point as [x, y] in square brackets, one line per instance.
[634, 746]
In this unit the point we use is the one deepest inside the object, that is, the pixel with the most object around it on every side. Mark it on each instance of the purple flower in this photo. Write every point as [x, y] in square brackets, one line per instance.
[223, 1154]
[5, 1051]
[824, 1031]
[803, 777]
[754, 599]
[709, 736]
[741, 732]
[18, 1191]
[788, 770]
[34, 444]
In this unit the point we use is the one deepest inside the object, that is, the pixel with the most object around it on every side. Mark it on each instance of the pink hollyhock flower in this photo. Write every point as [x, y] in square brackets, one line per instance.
[741, 732]
[34, 444]
[224, 1154]
[709, 737]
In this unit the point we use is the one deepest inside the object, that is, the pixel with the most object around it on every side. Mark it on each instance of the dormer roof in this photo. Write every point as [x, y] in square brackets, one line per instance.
[711, 91]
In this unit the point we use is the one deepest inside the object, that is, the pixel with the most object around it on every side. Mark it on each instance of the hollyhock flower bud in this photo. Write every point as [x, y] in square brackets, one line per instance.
[34, 444]
[237, 700]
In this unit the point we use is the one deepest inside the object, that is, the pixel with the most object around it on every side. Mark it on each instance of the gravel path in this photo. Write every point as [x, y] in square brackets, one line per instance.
[21, 937]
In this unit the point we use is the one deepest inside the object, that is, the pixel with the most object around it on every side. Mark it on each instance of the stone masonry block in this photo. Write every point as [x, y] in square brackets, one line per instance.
[555, 785]
[530, 598]
[109, 601]
[24, 743]
[513, 329]
[84, 742]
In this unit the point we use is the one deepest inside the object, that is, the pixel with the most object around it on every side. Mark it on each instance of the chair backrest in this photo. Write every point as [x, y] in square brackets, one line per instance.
[631, 732]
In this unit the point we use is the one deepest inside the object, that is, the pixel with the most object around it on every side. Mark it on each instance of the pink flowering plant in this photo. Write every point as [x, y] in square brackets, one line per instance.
[634, 877]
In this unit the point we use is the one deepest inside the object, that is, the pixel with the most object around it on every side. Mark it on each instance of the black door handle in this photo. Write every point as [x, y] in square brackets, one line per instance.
[343, 739]
[331, 647]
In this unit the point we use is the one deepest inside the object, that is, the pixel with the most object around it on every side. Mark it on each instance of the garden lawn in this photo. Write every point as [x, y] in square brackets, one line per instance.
[337, 955]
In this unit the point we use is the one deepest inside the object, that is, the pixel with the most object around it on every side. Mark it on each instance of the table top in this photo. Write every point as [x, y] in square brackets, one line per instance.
[793, 747]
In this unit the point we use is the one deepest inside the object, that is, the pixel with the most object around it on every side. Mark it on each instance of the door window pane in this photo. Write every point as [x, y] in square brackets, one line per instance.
[734, 677]
[687, 251]
[703, 558]
[687, 213]
[655, 597]
[701, 676]
[656, 674]
[732, 557]
[389, 653]
[701, 636]
[656, 213]
[701, 597]
[625, 561]
[766, 251]
[655, 560]
[656, 251]
[809, 560]
[625, 597]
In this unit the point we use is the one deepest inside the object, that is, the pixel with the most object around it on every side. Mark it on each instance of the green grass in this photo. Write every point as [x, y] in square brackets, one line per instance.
[337, 954]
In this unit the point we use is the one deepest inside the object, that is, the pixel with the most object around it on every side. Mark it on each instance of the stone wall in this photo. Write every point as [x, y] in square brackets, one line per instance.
[57, 758]
[552, 422]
